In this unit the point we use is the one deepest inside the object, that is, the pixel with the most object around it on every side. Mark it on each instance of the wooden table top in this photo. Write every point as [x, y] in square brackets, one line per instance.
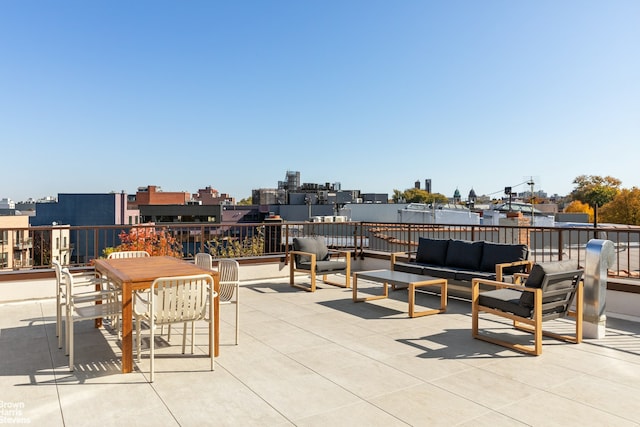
[146, 270]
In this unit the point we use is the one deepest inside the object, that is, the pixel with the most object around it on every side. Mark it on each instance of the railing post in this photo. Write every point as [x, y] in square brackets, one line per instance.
[286, 244]
[560, 244]
[600, 254]
[96, 237]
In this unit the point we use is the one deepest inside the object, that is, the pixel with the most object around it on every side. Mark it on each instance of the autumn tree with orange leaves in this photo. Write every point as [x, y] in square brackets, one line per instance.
[155, 242]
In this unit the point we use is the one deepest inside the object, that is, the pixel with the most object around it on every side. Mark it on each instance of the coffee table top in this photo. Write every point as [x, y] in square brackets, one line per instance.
[395, 277]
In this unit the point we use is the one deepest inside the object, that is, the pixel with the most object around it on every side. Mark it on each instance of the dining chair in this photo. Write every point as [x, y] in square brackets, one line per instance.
[122, 255]
[128, 254]
[79, 307]
[229, 282]
[172, 300]
[230, 287]
[84, 290]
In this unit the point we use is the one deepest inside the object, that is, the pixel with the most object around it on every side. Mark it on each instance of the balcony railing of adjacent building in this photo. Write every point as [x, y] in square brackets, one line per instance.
[263, 240]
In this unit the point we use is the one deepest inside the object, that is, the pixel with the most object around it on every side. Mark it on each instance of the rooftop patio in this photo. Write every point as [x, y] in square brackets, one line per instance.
[316, 359]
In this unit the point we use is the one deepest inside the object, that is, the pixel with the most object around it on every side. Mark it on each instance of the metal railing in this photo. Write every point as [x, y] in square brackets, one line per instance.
[87, 243]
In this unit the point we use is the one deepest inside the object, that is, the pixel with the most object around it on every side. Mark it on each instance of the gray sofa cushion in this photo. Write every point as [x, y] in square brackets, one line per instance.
[406, 267]
[464, 254]
[537, 274]
[440, 272]
[467, 276]
[432, 251]
[498, 253]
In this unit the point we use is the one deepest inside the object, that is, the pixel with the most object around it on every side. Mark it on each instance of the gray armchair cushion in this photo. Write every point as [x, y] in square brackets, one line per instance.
[497, 253]
[463, 254]
[315, 245]
[432, 251]
[507, 300]
[537, 274]
[330, 266]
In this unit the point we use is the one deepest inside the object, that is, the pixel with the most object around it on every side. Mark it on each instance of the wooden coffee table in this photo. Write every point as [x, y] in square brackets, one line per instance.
[401, 279]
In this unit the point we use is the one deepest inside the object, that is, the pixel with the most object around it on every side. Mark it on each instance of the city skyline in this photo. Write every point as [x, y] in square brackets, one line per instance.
[100, 96]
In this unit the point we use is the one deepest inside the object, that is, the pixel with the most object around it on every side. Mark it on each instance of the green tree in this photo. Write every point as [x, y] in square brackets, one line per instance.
[398, 196]
[416, 195]
[623, 209]
[247, 201]
[595, 190]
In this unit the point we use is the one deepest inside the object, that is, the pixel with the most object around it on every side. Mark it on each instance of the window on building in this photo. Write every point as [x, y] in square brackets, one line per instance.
[57, 243]
[4, 259]
[4, 236]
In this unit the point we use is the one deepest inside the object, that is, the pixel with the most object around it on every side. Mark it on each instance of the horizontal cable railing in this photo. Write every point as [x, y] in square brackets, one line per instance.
[36, 247]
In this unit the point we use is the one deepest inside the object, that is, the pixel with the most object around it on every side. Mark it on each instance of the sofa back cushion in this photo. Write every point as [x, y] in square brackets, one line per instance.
[537, 274]
[315, 245]
[464, 254]
[432, 251]
[499, 253]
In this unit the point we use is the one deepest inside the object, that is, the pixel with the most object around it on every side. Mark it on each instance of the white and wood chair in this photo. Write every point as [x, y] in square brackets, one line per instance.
[229, 282]
[79, 308]
[172, 300]
[84, 289]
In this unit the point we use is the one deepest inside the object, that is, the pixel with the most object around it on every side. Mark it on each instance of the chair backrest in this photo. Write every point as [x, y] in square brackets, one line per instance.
[180, 299]
[558, 281]
[57, 267]
[315, 245]
[66, 283]
[203, 260]
[128, 254]
[229, 278]
[60, 289]
[558, 292]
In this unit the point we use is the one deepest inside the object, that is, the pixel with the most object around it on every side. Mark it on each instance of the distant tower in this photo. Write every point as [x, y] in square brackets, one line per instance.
[417, 184]
[456, 196]
[427, 185]
[293, 180]
[472, 197]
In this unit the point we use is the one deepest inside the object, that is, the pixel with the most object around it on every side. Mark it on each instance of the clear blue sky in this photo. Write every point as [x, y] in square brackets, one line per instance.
[99, 96]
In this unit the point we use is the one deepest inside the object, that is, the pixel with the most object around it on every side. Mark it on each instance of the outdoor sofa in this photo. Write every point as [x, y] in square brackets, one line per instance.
[461, 261]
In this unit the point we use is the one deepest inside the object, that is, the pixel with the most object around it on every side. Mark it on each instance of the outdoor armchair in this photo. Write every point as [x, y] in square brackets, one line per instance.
[311, 255]
[548, 293]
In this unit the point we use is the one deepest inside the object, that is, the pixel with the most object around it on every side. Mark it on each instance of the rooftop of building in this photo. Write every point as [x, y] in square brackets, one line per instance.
[315, 359]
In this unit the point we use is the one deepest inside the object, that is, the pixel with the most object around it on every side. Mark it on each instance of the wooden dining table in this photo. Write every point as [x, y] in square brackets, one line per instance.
[132, 274]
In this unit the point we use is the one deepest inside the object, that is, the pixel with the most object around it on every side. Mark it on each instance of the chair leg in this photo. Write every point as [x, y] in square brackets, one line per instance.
[58, 318]
[211, 334]
[237, 320]
[184, 336]
[138, 339]
[67, 326]
[152, 348]
[70, 345]
[60, 326]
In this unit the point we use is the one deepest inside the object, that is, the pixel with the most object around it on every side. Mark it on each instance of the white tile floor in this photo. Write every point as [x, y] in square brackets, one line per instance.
[315, 360]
